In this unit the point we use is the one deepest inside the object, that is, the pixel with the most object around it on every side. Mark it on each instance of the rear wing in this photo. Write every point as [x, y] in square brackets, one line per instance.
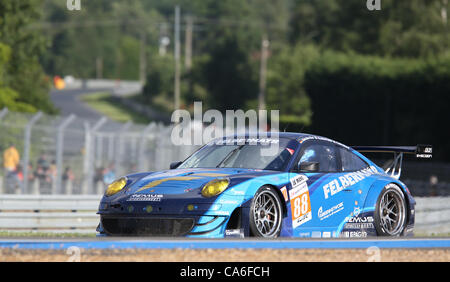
[395, 168]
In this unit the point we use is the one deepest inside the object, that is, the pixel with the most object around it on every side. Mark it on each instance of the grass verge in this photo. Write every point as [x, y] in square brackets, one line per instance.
[104, 103]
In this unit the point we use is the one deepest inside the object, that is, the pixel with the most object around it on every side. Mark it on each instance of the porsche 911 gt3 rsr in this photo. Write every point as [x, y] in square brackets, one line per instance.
[310, 187]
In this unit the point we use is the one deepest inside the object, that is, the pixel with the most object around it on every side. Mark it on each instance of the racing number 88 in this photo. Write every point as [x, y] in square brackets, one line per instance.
[301, 205]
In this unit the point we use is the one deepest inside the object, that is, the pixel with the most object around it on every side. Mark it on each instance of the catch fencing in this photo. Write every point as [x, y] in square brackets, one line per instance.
[72, 155]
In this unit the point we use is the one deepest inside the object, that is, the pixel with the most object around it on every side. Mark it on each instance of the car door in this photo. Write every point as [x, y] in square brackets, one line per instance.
[325, 203]
[356, 176]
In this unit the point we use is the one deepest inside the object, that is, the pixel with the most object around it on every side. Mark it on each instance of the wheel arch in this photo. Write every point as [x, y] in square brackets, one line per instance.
[280, 196]
[378, 186]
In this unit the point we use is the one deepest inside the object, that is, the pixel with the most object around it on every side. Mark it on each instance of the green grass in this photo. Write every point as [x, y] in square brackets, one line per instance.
[43, 234]
[105, 104]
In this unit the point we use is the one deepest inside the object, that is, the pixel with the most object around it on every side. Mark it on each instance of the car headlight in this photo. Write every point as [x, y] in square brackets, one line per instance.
[116, 186]
[215, 187]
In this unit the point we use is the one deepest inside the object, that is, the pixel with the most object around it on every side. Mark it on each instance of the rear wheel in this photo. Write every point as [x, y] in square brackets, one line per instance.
[266, 213]
[390, 212]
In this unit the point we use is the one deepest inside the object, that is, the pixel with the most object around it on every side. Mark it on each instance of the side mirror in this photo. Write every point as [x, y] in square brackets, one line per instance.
[309, 166]
[174, 165]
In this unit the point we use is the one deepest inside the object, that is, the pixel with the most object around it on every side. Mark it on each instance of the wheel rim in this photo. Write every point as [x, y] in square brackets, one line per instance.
[266, 214]
[392, 213]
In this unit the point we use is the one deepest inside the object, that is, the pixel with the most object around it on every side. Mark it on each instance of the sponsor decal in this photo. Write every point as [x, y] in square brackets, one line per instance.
[237, 192]
[316, 234]
[356, 211]
[355, 222]
[284, 192]
[354, 234]
[193, 176]
[290, 151]
[227, 202]
[232, 141]
[326, 235]
[329, 212]
[301, 140]
[337, 185]
[234, 233]
[362, 219]
[145, 198]
[300, 201]
[221, 212]
[298, 180]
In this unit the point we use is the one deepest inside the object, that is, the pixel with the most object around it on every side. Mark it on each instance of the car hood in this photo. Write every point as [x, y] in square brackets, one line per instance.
[180, 181]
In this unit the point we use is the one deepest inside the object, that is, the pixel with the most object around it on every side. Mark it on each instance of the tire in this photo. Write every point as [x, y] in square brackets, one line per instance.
[266, 213]
[390, 212]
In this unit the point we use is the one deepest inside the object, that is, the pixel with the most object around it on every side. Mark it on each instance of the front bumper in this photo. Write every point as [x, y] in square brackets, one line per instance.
[163, 226]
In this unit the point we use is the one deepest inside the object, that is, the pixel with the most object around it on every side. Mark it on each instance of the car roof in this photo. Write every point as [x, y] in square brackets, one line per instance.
[289, 135]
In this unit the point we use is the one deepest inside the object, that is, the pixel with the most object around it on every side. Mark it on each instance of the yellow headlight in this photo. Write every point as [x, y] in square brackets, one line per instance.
[116, 186]
[215, 187]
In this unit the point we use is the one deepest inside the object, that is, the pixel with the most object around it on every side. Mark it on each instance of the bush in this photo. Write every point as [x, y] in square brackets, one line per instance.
[380, 101]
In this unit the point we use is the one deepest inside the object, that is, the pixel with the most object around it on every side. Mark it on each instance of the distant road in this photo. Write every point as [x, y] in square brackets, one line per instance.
[68, 102]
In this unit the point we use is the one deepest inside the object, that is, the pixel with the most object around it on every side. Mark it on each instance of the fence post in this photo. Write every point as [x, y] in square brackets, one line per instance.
[28, 128]
[3, 113]
[142, 142]
[59, 152]
[118, 157]
[86, 159]
[88, 163]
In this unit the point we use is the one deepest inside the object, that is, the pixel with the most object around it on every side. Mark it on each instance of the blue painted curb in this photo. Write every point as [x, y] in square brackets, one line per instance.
[226, 244]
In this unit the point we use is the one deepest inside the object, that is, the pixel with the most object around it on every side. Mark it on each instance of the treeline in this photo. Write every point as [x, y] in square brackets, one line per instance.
[366, 100]
[23, 83]
[334, 67]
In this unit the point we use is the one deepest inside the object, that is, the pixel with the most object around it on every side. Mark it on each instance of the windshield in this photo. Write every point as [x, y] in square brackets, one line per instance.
[247, 155]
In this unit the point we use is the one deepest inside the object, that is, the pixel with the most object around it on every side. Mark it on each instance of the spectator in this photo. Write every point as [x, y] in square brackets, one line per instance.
[68, 178]
[42, 176]
[43, 163]
[109, 175]
[68, 174]
[51, 175]
[11, 159]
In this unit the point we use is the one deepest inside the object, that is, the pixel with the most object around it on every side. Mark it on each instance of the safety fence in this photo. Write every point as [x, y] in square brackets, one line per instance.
[77, 213]
[73, 155]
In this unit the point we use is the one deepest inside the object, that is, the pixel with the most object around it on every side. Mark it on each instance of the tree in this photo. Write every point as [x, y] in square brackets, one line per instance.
[24, 74]
[414, 28]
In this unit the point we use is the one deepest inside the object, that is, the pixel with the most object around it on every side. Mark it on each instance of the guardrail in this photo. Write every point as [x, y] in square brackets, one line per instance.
[432, 215]
[78, 213]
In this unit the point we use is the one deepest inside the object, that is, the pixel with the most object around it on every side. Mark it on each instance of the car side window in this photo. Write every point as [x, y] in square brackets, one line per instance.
[325, 155]
[350, 161]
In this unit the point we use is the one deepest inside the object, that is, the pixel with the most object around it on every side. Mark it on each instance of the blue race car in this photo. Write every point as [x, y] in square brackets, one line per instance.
[309, 186]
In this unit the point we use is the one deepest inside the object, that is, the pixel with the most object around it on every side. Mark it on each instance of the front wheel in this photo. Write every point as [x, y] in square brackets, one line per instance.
[266, 213]
[390, 211]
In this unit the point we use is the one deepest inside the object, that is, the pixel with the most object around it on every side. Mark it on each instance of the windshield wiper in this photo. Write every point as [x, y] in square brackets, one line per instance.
[230, 154]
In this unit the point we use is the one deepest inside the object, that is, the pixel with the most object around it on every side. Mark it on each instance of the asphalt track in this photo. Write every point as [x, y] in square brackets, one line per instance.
[68, 102]
[164, 243]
